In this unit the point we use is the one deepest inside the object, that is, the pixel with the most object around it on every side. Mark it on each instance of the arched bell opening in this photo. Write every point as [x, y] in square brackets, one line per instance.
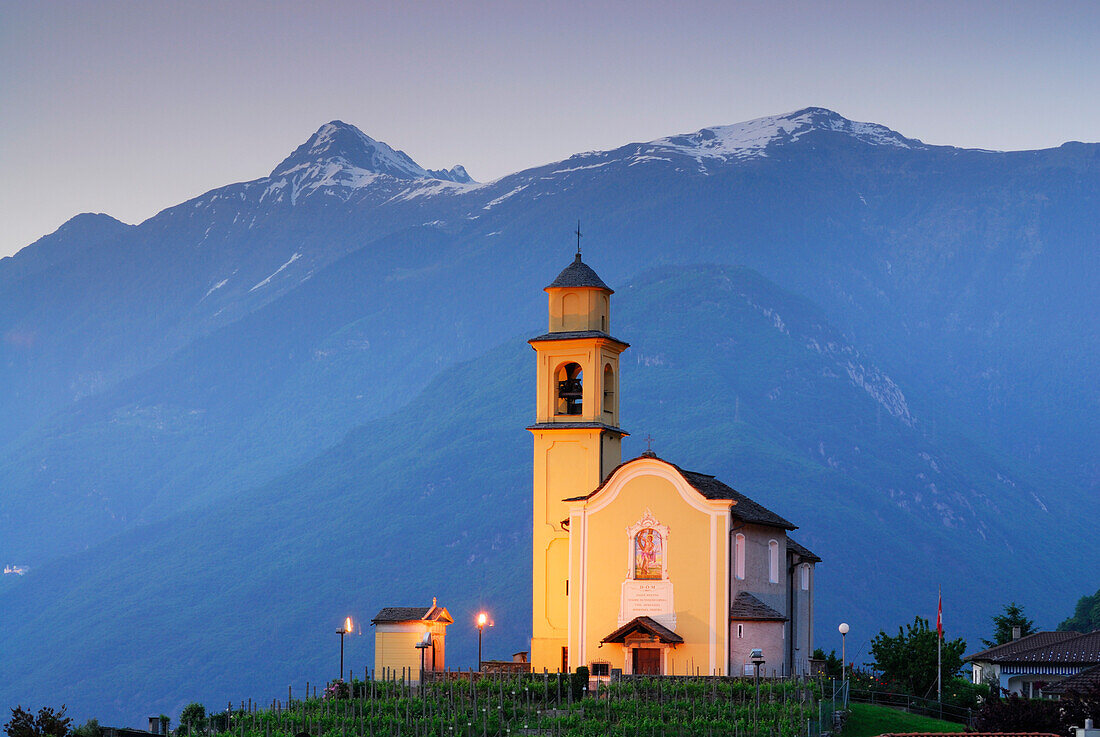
[609, 390]
[570, 393]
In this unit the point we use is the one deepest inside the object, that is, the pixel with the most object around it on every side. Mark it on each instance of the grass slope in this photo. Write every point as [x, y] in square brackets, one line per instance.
[868, 720]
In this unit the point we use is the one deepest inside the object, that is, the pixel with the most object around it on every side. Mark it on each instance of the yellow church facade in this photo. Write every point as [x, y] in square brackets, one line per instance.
[642, 566]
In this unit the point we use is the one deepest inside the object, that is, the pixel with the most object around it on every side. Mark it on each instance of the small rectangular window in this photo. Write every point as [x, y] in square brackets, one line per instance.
[804, 577]
[600, 669]
[740, 631]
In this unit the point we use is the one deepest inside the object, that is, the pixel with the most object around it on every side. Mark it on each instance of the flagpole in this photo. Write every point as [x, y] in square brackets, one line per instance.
[939, 647]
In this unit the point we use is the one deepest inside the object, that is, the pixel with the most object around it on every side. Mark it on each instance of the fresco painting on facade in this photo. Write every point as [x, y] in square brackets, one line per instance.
[648, 555]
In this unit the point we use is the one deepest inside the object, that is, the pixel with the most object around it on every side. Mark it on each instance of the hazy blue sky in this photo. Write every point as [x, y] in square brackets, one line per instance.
[130, 107]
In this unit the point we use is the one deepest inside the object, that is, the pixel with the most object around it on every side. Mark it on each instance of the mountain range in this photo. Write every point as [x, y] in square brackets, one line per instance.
[302, 396]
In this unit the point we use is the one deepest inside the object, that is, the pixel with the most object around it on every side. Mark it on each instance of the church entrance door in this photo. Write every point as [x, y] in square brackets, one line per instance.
[647, 661]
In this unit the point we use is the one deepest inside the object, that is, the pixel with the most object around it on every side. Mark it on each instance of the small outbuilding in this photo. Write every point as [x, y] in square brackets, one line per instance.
[405, 635]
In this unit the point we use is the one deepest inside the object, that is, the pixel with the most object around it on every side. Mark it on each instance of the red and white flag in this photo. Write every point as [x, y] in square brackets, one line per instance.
[939, 618]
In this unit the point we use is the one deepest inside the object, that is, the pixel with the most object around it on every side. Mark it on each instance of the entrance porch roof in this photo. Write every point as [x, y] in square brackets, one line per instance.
[647, 626]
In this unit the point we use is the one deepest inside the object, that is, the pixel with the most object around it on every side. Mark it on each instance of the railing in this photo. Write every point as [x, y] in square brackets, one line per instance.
[916, 705]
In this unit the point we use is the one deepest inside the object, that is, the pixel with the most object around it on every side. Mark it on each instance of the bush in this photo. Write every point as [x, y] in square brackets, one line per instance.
[1016, 714]
[89, 728]
[337, 689]
[579, 682]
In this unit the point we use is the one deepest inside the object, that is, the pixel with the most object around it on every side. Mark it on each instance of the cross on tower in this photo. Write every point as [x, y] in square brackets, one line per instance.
[578, 233]
[649, 443]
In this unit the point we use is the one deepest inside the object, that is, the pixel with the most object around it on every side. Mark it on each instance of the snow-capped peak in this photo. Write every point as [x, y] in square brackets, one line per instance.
[340, 159]
[345, 145]
[751, 138]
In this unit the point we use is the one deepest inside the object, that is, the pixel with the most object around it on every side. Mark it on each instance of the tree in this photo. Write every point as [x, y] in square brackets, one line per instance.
[193, 718]
[909, 660]
[89, 728]
[1013, 616]
[832, 662]
[48, 723]
[1086, 615]
[21, 724]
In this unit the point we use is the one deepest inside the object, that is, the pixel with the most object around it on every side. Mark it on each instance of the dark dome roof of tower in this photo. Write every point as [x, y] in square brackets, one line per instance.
[579, 274]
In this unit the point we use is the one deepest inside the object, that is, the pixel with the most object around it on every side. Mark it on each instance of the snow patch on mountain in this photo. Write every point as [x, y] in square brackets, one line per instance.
[496, 201]
[212, 289]
[752, 138]
[278, 271]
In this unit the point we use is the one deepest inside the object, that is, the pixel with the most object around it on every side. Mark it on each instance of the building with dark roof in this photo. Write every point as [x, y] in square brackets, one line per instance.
[1034, 664]
[408, 637]
[642, 565]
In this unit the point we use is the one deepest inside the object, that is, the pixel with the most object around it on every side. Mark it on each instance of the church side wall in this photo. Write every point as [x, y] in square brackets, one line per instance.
[757, 582]
[767, 636]
[804, 626]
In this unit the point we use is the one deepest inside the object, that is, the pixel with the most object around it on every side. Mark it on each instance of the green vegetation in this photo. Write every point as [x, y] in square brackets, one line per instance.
[542, 705]
[908, 661]
[1086, 615]
[193, 719]
[48, 723]
[1013, 616]
[832, 662]
[867, 720]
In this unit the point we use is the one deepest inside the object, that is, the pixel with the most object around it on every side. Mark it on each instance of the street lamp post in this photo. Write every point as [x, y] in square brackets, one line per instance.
[757, 656]
[482, 620]
[345, 630]
[843, 628]
[425, 642]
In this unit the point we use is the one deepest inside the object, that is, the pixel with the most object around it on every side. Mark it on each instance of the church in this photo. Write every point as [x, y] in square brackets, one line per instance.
[642, 566]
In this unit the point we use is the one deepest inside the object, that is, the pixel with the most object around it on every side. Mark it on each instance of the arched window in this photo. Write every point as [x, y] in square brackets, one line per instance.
[739, 556]
[773, 561]
[570, 389]
[608, 389]
[649, 555]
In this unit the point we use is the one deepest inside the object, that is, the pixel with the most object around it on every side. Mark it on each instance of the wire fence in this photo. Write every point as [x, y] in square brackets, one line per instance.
[916, 705]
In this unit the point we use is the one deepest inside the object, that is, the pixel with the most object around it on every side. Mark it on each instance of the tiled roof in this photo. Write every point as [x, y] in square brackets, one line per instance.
[412, 614]
[744, 509]
[800, 550]
[578, 274]
[401, 614]
[1055, 648]
[575, 334]
[1080, 649]
[1084, 682]
[644, 624]
[748, 607]
[1027, 642]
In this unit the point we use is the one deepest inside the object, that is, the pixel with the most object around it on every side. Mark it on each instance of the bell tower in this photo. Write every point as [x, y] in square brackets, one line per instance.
[577, 440]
